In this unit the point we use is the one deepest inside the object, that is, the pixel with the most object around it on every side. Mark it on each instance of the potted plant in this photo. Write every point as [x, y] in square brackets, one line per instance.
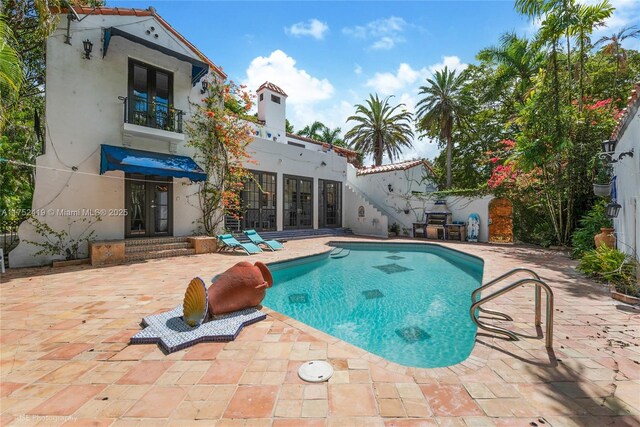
[394, 230]
[602, 178]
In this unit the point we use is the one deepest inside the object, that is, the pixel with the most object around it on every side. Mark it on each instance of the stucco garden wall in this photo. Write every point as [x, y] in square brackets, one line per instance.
[627, 170]
[375, 188]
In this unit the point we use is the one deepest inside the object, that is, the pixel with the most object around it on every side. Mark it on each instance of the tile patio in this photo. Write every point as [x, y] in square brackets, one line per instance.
[64, 357]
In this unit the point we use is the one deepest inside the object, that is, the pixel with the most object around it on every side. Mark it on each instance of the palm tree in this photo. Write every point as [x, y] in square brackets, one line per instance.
[288, 126]
[332, 136]
[442, 107]
[518, 61]
[559, 15]
[587, 18]
[380, 129]
[313, 130]
[613, 46]
[11, 70]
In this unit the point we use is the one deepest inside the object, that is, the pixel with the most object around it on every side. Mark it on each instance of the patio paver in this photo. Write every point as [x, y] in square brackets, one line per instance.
[65, 358]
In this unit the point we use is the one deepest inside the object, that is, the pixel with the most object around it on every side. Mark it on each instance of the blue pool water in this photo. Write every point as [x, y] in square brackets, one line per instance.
[408, 303]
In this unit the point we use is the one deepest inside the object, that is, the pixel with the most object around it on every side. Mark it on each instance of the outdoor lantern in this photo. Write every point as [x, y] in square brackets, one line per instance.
[88, 46]
[609, 146]
[390, 187]
[205, 86]
[612, 210]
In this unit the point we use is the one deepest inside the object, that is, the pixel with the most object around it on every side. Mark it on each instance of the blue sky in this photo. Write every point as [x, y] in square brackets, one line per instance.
[329, 55]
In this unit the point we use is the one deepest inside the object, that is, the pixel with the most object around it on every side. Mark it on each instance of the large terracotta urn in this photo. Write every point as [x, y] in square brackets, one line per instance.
[605, 237]
[242, 286]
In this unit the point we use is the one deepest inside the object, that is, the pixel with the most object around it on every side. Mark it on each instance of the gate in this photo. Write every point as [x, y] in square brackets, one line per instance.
[500, 221]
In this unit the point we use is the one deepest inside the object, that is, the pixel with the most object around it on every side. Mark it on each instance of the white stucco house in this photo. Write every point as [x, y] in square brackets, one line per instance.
[115, 142]
[115, 146]
[626, 169]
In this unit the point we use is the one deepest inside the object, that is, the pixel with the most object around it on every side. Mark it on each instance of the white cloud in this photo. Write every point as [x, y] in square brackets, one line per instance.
[309, 98]
[389, 83]
[357, 69]
[451, 62]
[280, 69]
[385, 43]
[313, 28]
[385, 33]
[406, 76]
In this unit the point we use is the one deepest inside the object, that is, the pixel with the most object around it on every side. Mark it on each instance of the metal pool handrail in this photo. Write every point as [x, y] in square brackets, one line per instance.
[549, 309]
[492, 282]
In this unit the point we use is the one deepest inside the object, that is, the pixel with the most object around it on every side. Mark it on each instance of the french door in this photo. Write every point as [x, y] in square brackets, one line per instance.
[330, 204]
[150, 96]
[298, 202]
[259, 202]
[149, 204]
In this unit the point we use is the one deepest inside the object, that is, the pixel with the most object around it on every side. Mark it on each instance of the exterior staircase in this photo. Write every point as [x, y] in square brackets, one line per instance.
[158, 247]
[376, 221]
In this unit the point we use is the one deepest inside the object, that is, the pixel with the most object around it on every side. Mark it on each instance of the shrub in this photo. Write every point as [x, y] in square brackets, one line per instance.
[61, 243]
[590, 225]
[613, 266]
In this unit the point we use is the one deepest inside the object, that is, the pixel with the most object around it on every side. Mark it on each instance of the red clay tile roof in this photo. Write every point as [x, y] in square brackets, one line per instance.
[81, 10]
[337, 149]
[395, 167]
[271, 87]
[627, 113]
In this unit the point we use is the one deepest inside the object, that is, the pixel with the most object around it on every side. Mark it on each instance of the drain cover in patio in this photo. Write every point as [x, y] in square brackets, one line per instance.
[172, 334]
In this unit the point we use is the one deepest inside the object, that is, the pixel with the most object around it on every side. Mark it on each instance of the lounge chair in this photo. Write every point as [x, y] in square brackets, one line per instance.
[274, 245]
[230, 242]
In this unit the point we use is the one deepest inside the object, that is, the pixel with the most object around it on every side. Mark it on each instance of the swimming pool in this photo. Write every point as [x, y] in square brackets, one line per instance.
[408, 303]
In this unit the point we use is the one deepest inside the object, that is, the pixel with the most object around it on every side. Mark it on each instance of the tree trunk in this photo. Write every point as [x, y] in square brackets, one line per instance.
[581, 81]
[377, 153]
[569, 66]
[449, 159]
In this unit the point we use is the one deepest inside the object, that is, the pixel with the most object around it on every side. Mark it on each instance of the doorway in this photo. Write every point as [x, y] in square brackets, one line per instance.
[259, 202]
[329, 204]
[149, 205]
[298, 202]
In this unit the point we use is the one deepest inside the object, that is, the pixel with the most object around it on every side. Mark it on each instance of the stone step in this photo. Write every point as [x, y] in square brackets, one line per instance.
[156, 247]
[139, 256]
[142, 241]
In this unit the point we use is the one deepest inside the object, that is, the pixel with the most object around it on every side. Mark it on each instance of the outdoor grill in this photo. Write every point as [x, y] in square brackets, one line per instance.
[436, 220]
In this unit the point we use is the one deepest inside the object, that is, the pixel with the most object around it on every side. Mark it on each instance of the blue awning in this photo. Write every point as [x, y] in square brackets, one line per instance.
[149, 163]
[198, 68]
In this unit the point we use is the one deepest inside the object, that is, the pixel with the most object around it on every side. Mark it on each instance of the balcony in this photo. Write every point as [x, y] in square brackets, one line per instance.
[149, 119]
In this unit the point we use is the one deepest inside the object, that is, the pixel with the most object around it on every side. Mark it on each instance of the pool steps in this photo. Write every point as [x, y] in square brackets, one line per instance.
[338, 253]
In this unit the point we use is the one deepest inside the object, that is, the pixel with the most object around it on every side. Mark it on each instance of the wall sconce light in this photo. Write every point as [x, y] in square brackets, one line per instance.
[323, 163]
[609, 146]
[205, 86]
[610, 157]
[390, 187]
[88, 46]
[613, 209]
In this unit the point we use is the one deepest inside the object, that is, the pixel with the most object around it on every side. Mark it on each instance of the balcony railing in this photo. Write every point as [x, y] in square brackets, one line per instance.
[143, 112]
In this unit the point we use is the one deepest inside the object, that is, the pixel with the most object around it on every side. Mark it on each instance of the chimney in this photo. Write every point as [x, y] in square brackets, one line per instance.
[272, 103]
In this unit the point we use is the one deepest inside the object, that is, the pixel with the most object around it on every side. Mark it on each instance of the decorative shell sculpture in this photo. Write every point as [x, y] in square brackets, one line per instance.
[195, 305]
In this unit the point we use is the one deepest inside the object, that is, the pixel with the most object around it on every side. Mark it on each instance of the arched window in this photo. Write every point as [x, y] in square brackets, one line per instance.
[361, 212]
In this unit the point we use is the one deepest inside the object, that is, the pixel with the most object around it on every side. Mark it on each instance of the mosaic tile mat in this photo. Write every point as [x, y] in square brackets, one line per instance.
[172, 334]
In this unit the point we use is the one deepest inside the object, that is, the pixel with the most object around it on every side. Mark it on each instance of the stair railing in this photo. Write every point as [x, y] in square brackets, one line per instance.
[539, 284]
[509, 273]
